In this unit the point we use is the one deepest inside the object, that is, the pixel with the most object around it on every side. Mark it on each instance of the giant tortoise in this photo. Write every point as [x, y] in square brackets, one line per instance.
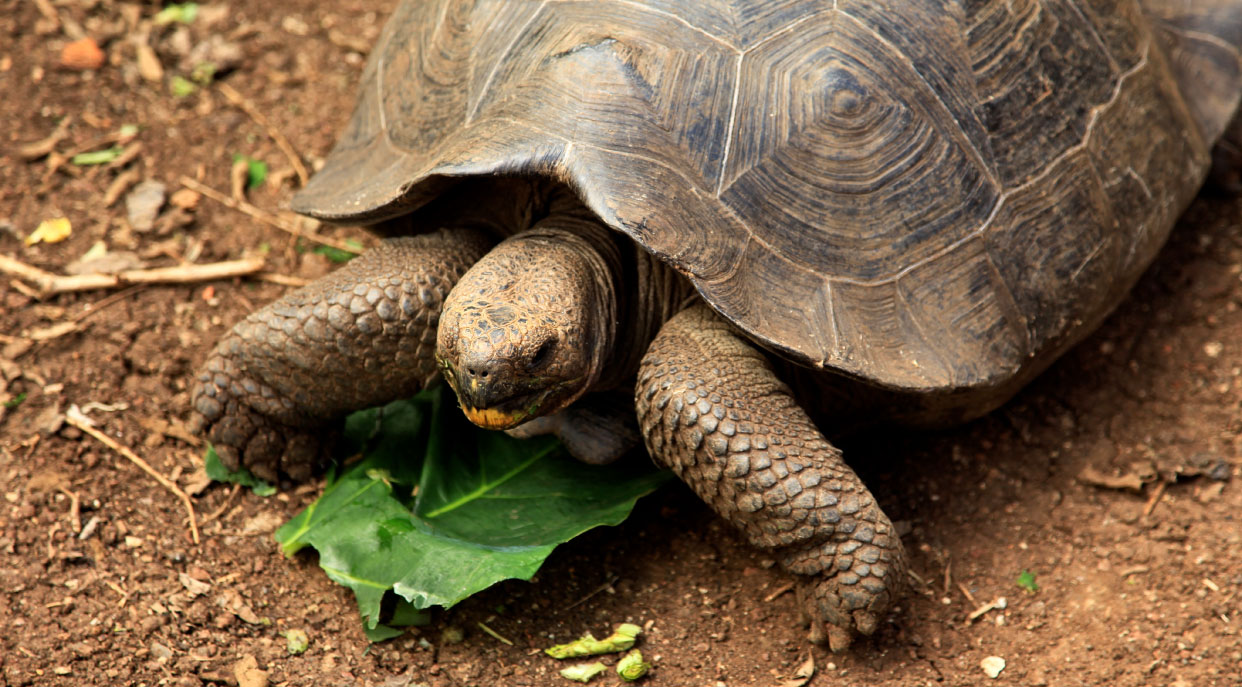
[751, 213]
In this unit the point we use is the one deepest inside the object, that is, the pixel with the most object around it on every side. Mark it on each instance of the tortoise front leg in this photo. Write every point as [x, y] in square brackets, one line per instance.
[360, 337]
[711, 409]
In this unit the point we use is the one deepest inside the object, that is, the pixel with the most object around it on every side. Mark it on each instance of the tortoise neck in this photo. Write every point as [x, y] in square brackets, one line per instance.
[637, 293]
[651, 293]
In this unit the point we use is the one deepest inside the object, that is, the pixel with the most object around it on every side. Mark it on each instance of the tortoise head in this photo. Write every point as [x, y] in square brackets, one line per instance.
[527, 330]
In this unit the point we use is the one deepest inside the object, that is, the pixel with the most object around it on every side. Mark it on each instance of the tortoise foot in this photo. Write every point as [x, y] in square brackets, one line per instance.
[713, 410]
[856, 588]
[230, 412]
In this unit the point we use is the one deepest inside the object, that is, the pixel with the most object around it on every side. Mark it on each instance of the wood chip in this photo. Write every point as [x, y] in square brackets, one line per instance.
[149, 67]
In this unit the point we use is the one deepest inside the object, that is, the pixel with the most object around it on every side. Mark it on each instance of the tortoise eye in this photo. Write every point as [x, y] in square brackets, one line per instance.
[544, 354]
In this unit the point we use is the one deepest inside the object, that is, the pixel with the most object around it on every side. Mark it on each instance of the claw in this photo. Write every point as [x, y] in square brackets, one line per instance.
[244, 437]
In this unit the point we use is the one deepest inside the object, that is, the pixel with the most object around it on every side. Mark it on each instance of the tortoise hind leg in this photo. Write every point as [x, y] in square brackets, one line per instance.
[711, 409]
[359, 337]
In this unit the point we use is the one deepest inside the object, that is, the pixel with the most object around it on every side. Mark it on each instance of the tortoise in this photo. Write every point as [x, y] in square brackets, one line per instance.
[749, 214]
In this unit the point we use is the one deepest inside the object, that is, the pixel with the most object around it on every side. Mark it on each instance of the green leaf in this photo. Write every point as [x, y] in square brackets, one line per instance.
[219, 473]
[632, 666]
[183, 13]
[203, 73]
[181, 86]
[98, 157]
[1026, 580]
[256, 170]
[583, 673]
[381, 633]
[334, 254]
[438, 509]
[15, 401]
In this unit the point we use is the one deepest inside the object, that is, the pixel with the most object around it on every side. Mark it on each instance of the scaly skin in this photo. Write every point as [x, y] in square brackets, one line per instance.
[362, 336]
[530, 327]
[711, 409]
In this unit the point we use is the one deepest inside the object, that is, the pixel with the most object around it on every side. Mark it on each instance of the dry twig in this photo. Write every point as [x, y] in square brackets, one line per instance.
[966, 592]
[257, 115]
[49, 283]
[75, 509]
[264, 216]
[777, 592]
[1156, 494]
[45, 146]
[996, 604]
[282, 279]
[146, 467]
[602, 588]
[224, 506]
[105, 302]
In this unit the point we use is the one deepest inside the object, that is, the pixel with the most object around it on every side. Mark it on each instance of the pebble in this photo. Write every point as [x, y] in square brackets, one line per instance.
[82, 54]
[992, 665]
[144, 203]
[160, 652]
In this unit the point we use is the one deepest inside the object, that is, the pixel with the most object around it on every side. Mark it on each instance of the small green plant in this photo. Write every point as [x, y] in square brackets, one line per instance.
[1026, 580]
[256, 170]
[181, 13]
[339, 255]
[97, 157]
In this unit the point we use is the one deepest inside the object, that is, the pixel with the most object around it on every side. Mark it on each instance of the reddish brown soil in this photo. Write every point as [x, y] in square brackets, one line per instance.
[1134, 588]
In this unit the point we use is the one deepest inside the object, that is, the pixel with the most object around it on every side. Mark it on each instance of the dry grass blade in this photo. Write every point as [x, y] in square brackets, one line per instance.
[146, 467]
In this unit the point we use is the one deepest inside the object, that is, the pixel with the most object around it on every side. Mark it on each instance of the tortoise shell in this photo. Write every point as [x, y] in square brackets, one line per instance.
[924, 196]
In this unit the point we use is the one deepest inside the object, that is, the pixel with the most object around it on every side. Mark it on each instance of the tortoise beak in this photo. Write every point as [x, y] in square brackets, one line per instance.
[491, 418]
[492, 405]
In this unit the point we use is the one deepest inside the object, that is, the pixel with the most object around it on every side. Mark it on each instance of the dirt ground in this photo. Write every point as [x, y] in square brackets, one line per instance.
[102, 583]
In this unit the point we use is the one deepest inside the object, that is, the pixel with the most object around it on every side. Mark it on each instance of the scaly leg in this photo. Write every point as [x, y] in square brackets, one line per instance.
[359, 337]
[711, 408]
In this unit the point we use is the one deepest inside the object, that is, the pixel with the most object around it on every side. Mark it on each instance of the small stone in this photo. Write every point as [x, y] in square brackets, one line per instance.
[992, 665]
[49, 420]
[185, 199]
[83, 54]
[160, 652]
[247, 673]
[1213, 349]
[144, 203]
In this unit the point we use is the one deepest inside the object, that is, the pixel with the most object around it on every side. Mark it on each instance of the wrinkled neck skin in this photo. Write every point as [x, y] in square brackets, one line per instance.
[563, 308]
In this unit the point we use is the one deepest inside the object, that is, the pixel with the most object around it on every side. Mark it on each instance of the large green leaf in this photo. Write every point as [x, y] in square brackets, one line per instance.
[437, 509]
